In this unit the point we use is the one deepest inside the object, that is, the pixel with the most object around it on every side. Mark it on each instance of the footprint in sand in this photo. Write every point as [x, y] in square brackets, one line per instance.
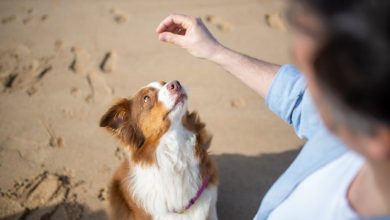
[32, 90]
[102, 194]
[30, 17]
[54, 140]
[8, 19]
[42, 192]
[91, 96]
[45, 196]
[98, 86]
[108, 63]
[276, 21]
[30, 11]
[81, 61]
[20, 70]
[44, 17]
[118, 16]
[238, 103]
[9, 208]
[27, 19]
[58, 45]
[81, 64]
[219, 22]
[68, 112]
[74, 91]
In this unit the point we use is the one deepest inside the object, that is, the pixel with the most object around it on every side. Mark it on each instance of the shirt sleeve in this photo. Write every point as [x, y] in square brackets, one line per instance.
[288, 98]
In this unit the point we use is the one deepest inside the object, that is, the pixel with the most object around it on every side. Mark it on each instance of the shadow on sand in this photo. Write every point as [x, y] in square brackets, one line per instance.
[62, 211]
[243, 182]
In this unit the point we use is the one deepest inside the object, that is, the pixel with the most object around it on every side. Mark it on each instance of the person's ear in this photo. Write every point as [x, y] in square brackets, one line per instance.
[379, 147]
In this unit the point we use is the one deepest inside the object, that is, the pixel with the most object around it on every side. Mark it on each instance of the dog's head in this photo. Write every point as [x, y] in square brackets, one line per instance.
[141, 120]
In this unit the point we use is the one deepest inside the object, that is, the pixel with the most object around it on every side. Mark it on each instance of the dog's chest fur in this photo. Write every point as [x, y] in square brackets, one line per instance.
[168, 185]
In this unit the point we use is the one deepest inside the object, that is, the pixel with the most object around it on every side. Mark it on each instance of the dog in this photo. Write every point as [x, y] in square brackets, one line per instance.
[167, 173]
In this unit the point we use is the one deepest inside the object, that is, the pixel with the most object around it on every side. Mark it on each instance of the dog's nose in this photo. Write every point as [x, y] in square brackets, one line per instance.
[174, 86]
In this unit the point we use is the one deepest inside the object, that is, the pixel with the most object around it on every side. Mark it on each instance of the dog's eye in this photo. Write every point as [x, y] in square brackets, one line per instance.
[146, 98]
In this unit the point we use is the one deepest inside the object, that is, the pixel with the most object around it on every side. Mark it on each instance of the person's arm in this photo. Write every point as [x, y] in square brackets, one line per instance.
[256, 74]
[191, 34]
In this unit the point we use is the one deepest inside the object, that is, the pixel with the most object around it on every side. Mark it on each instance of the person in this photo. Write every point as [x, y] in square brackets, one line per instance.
[336, 96]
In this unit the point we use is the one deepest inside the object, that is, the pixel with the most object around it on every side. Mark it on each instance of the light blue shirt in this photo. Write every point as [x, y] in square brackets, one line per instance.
[288, 98]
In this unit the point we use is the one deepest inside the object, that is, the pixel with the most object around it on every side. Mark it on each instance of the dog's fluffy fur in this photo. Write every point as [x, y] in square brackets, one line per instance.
[167, 157]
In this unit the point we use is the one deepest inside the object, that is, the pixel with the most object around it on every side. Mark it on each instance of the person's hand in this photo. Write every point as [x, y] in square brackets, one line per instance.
[189, 33]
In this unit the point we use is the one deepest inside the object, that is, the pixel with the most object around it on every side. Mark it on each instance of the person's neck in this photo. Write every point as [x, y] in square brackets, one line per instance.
[381, 179]
[369, 193]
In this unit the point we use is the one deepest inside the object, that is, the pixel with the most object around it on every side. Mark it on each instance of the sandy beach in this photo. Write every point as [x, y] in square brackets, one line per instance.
[63, 62]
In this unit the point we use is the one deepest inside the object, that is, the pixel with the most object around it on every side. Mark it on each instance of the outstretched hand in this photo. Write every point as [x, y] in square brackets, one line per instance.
[189, 33]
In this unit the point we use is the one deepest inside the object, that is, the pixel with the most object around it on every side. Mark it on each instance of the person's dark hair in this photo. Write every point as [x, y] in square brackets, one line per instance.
[353, 63]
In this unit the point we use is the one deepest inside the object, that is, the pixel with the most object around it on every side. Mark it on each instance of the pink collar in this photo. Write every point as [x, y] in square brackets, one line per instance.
[192, 201]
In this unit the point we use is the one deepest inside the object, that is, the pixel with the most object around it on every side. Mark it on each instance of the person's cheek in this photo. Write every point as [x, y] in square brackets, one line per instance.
[299, 53]
[302, 50]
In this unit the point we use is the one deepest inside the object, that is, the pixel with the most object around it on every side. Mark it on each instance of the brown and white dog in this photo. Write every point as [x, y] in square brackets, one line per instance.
[168, 173]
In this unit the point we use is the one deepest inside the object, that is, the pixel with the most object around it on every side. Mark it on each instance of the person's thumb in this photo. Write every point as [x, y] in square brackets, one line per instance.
[171, 38]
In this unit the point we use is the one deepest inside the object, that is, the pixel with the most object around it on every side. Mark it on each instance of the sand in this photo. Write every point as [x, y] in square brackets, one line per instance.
[63, 62]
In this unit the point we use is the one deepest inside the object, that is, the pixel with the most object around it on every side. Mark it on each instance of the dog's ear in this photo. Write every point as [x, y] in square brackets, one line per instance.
[117, 115]
[117, 120]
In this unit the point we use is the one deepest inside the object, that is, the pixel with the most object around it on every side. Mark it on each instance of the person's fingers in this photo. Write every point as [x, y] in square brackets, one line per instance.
[176, 29]
[166, 24]
[179, 30]
[171, 28]
[171, 38]
[182, 20]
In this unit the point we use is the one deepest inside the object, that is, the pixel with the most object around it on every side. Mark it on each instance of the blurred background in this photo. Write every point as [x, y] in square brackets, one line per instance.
[63, 62]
